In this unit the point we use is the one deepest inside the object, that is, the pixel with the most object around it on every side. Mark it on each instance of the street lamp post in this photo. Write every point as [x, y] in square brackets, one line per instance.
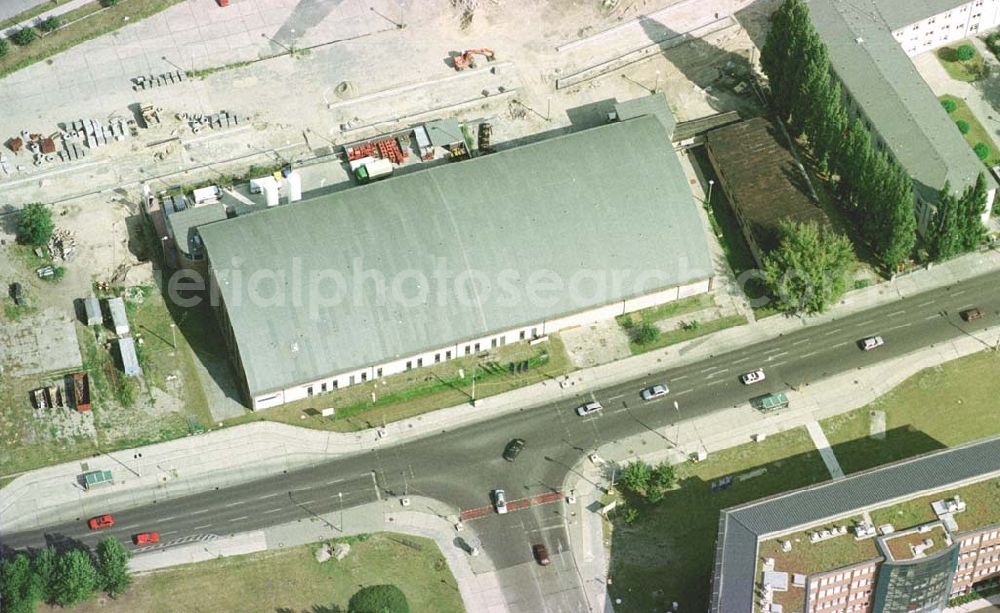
[340, 495]
[711, 182]
[656, 87]
[677, 437]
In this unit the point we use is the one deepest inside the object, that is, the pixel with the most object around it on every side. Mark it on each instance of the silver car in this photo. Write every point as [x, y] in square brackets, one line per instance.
[500, 501]
[657, 391]
[754, 376]
[587, 409]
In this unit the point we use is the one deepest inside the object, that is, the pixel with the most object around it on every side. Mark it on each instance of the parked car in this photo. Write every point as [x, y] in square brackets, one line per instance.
[872, 342]
[146, 538]
[500, 501]
[657, 391]
[468, 547]
[587, 409]
[971, 314]
[513, 448]
[541, 553]
[101, 521]
[754, 376]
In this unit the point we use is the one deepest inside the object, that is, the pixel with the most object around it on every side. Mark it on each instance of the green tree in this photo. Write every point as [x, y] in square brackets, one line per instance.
[966, 53]
[972, 206]
[943, 235]
[853, 157]
[50, 24]
[982, 150]
[44, 571]
[34, 224]
[828, 125]
[809, 269]
[645, 333]
[75, 578]
[636, 477]
[781, 56]
[24, 36]
[963, 126]
[949, 105]
[4, 47]
[108, 3]
[664, 477]
[896, 233]
[18, 589]
[379, 599]
[112, 558]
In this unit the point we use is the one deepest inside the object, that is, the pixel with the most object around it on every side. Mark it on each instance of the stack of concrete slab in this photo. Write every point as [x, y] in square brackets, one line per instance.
[72, 151]
[222, 119]
[151, 81]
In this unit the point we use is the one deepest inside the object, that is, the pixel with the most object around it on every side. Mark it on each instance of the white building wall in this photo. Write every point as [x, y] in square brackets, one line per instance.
[486, 343]
[965, 20]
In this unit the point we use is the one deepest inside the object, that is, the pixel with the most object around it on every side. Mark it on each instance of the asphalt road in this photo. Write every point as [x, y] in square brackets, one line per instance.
[461, 466]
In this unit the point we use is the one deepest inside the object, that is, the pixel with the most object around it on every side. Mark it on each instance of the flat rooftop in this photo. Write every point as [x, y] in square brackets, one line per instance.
[765, 181]
[457, 252]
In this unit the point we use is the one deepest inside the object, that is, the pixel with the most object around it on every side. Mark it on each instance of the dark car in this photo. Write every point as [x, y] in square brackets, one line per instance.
[972, 314]
[541, 554]
[16, 293]
[513, 449]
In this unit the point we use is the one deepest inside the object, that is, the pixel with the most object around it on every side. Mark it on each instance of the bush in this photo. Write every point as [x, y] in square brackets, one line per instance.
[645, 333]
[379, 599]
[34, 224]
[108, 3]
[966, 53]
[963, 126]
[24, 36]
[636, 477]
[982, 151]
[949, 105]
[49, 24]
[3, 47]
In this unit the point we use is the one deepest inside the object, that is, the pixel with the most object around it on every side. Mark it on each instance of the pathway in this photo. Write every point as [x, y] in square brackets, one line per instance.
[823, 446]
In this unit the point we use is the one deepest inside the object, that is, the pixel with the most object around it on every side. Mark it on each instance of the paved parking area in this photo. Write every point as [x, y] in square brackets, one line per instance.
[41, 342]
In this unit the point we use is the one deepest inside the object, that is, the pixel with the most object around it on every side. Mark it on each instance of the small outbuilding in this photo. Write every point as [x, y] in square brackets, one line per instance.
[92, 310]
[119, 320]
[130, 361]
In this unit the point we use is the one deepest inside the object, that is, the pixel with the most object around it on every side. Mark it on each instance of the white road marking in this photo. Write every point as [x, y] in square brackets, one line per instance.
[777, 364]
[307, 501]
[718, 372]
[801, 340]
[929, 317]
[684, 392]
[714, 383]
[269, 496]
[959, 293]
[168, 518]
[866, 322]
[809, 355]
[703, 370]
[895, 313]
[233, 504]
[680, 378]
[777, 355]
[202, 527]
[832, 332]
[926, 303]
[741, 360]
[272, 511]
[840, 344]
[236, 519]
[616, 397]
[900, 326]
[199, 512]
[166, 533]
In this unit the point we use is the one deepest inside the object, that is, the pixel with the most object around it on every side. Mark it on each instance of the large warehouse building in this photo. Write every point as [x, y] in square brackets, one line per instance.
[456, 259]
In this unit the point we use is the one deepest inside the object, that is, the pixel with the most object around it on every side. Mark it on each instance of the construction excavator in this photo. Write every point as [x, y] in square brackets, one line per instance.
[468, 58]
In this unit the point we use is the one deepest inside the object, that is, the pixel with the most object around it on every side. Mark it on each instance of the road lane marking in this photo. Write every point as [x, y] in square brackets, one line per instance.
[684, 392]
[199, 512]
[269, 496]
[714, 383]
[704, 370]
[930, 317]
[718, 372]
[832, 332]
[809, 355]
[307, 502]
[616, 397]
[927, 303]
[895, 313]
[777, 364]
[800, 341]
[272, 511]
[959, 293]
[233, 504]
[840, 344]
[741, 360]
[900, 326]
[867, 322]
[166, 533]
[680, 378]
[777, 355]
[202, 527]
[236, 519]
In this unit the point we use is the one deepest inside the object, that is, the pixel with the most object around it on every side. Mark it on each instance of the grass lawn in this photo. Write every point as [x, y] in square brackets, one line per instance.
[34, 11]
[969, 70]
[422, 390]
[938, 407]
[686, 334]
[670, 309]
[667, 554]
[977, 133]
[292, 580]
[93, 22]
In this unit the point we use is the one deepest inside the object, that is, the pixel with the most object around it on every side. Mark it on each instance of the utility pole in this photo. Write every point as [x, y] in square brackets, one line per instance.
[711, 182]
[340, 495]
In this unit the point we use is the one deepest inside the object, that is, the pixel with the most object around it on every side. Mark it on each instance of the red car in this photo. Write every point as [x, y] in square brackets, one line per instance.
[541, 554]
[101, 521]
[146, 538]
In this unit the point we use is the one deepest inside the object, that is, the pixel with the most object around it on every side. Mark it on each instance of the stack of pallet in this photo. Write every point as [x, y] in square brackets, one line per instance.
[390, 150]
[361, 151]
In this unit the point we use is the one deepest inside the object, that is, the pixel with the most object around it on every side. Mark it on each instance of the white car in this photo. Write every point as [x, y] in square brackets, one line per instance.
[754, 376]
[657, 391]
[872, 342]
[586, 409]
[500, 501]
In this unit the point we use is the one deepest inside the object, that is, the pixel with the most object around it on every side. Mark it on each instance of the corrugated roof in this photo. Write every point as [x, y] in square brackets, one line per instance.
[767, 181]
[743, 527]
[576, 207]
[877, 73]
[130, 361]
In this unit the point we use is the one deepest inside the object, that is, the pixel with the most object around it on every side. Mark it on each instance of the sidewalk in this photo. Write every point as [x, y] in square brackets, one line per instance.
[480, 588]
[235, 455]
